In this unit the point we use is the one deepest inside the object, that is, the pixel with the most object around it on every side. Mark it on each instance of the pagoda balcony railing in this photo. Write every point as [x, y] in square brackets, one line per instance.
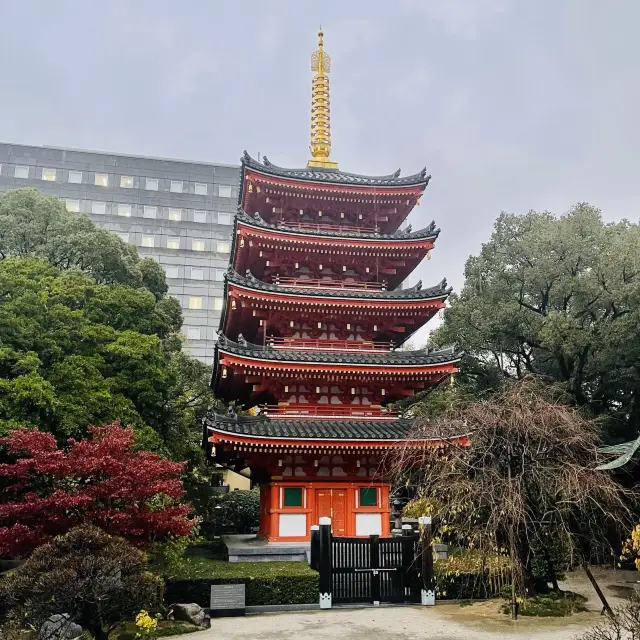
[320, 344]
[327, 412]
[317, 283]
[328, 226]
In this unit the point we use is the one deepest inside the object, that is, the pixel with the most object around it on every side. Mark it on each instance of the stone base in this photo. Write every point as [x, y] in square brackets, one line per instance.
[250, 548]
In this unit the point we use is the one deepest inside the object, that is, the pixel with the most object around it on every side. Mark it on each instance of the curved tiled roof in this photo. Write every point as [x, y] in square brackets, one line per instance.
[262, 426]
[387, 358]
[407, 234]
[333, 429]
[316, 174]
[412, 293]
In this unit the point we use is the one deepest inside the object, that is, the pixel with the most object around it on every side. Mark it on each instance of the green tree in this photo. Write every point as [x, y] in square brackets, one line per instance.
[560, 297]
[74, 352]
[34, 225]
[88, 334]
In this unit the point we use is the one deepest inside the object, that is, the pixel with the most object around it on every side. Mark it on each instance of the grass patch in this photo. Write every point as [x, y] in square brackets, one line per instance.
[165, 628]
[556, 604]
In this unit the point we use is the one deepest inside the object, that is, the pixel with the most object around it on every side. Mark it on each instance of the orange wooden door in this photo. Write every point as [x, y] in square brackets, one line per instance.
[323, 500]
[332, 503]
[339, 508]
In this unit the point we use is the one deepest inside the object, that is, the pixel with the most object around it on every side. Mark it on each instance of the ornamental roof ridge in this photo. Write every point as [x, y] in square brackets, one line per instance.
[412, 293]
[419, 357]
[324, 174]
[430, 231]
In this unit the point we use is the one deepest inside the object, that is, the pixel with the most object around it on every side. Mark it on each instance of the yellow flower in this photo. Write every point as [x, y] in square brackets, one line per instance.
[146, 624]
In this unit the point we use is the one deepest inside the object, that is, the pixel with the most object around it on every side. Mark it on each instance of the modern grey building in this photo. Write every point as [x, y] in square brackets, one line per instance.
[180, 213]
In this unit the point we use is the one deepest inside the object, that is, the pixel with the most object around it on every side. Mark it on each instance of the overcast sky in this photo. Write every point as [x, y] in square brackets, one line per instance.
[510, 104]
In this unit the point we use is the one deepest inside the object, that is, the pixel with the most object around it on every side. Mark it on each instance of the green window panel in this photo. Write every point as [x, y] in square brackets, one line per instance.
[368, 497]
[293, 497]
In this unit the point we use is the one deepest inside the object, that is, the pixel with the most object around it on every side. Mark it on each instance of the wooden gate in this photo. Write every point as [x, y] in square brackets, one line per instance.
[368, 570]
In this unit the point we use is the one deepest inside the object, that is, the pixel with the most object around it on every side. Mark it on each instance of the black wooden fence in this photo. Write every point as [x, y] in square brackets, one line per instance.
[374, 569]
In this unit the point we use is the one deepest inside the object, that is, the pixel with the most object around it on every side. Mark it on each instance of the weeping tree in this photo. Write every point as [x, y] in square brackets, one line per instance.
[523, 480]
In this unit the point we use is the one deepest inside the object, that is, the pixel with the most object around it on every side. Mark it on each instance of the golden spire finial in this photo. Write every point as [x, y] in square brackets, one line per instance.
[320, 111]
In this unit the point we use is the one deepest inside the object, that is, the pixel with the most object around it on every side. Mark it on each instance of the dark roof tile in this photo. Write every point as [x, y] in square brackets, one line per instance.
[412, 293]
[389, 358]
[315, 174]
[256, 220]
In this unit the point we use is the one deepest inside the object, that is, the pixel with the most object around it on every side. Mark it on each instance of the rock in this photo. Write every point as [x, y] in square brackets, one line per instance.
[192, 613]
[60, 627]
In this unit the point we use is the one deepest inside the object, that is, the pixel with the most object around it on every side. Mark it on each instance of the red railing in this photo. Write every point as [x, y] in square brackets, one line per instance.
[299, 344]
[312, 226]
[344, 412]
[316, 283]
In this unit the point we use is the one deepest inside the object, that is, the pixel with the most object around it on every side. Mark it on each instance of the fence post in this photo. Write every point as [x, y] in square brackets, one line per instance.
[374, 558]
[314, 550]
[324, 563]
[428, 584]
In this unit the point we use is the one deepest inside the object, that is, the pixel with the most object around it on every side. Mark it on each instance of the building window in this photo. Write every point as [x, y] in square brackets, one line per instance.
[176, 186]
[124, 210]
[101, 180]
[195, 302]
[193, 333]
[123, 236]
[73, 206]
[292, 497]
[148, 241]
[126, 182]
[368, 497]
[197, 273]
[201, 188]
[173, 242]
[151, 184]
[49, 174]
[75, 177]
[171, 271]
[21, 172]
[224, 246]
[98, 207]
[224, 191]
[197, 245]
[224, 218]
[220, 274]
[217, 304]
[149, 212]
[199, 216]
[175, 215]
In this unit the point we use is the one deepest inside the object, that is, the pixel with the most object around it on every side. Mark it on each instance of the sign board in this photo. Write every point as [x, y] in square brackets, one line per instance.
[227, 600]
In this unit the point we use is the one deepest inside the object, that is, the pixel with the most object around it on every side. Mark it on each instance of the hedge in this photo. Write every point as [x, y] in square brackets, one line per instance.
[266, 583]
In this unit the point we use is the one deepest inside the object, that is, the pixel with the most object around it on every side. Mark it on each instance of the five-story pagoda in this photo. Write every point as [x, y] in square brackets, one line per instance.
[310, 330]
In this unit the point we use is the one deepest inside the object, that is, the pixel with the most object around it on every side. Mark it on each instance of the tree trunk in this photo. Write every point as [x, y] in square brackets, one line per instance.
[98, 633]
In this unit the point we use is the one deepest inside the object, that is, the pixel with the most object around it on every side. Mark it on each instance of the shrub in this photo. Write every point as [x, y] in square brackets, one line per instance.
[469, 574]
[97, 579]
[550, 605]
[237, 512]
[266, 583]
[101, 481]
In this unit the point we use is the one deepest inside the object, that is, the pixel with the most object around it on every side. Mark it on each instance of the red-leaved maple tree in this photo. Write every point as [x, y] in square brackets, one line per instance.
[102, 481]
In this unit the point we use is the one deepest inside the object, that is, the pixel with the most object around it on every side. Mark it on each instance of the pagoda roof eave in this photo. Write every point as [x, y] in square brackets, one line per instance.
[262, 431]
[335, 177]
[413, 294]
[430, 232]
[419, 359]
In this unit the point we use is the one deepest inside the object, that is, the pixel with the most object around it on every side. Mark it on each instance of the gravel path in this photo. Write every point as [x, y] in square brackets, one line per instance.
[481, 621]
